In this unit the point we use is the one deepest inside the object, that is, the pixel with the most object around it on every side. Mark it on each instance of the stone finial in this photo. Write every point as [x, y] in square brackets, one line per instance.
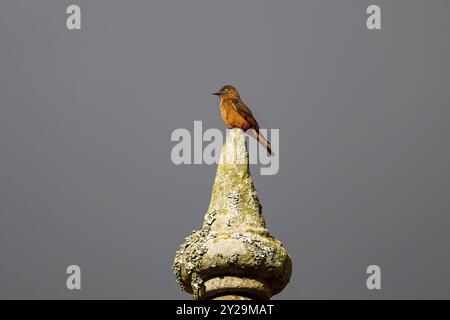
[233, 255]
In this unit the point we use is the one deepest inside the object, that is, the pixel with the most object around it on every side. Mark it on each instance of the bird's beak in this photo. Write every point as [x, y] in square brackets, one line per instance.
[216, 94]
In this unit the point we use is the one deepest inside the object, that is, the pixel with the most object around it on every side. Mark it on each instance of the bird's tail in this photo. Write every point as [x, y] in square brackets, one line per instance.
[259, 137]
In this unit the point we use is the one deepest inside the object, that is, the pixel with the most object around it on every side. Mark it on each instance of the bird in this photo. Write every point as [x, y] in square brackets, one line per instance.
[236, 114]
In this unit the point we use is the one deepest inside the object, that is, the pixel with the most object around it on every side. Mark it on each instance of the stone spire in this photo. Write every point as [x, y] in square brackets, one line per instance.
[233, 255]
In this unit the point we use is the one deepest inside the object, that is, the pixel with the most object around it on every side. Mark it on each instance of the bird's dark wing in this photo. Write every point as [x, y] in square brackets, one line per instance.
[244, 111]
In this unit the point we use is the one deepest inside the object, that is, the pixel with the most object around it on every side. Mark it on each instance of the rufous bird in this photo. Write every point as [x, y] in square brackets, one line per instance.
[236, 114]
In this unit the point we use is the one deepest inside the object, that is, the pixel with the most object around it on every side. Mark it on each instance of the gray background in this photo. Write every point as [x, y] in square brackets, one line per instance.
[86, 118]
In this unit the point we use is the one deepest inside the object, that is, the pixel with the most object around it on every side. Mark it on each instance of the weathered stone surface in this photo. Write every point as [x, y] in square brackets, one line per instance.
[233, 254]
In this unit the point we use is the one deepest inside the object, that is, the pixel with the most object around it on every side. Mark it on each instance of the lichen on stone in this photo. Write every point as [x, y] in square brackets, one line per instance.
[233, 258]
[190, 254]
[234, 200]
[233, 240]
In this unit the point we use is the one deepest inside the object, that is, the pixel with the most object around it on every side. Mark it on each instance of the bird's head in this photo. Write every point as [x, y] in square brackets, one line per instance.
[228, 91]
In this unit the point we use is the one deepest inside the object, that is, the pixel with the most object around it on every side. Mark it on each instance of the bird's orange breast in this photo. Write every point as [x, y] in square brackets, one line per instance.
[232, 118]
